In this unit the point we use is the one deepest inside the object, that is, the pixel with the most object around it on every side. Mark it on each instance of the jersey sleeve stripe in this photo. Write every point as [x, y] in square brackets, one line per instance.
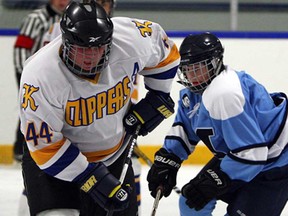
[172, 57]
[42, 156]
[165, 75]
[187, 149]
[76, 168]
[258, 154]
[99, 155]
[177, 130]
[64, 161]
[134, 96]
[158, 85]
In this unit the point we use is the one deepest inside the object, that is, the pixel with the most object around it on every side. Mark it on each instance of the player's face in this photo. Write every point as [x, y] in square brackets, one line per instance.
[197, 73]
[86, 58]
[59, 5]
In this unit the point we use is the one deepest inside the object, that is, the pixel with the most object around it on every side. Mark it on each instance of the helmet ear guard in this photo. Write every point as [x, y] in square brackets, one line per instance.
[201, 61]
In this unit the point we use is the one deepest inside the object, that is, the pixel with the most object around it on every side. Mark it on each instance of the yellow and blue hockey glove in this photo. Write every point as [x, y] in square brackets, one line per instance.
[148, 113]
[105, 189]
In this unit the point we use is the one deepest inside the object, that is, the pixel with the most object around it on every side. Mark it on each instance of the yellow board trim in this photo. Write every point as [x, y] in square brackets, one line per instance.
[201, 155]
[6, 154]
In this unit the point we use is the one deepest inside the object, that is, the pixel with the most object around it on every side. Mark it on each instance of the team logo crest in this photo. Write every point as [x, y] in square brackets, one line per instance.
[194, 110]
[186, 101]
[144, 28]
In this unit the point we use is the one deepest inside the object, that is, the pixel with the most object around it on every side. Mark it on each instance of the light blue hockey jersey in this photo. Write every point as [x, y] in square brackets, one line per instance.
[238, 120]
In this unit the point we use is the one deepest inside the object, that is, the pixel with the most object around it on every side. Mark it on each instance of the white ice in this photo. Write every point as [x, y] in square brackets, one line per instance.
[11, 187]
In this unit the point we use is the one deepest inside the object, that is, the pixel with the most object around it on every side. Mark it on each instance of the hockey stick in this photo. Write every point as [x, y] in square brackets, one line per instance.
[156, 201]
[147, 160]
[131, 143]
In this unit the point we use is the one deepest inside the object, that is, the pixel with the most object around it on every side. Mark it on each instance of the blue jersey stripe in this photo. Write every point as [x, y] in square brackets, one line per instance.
[169, 74]
[64, 161]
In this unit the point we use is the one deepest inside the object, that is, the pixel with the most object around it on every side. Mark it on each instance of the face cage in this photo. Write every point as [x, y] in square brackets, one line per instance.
[198, 76]
[85, 62]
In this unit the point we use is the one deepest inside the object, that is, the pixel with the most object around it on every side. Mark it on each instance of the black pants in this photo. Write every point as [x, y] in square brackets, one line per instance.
[18, 145]
[20, 140]
[266, 194]
[45, 192]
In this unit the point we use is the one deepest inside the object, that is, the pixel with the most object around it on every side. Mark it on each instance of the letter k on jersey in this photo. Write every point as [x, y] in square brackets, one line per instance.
[27, 97]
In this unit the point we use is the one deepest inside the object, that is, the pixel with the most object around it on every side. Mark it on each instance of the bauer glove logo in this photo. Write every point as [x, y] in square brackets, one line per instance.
[167, 161]
[89, 184]
[214, 176]
[164, 111]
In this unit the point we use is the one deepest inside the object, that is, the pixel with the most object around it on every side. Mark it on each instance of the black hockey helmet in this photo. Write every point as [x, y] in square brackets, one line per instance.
[201, 53]
[85, 25]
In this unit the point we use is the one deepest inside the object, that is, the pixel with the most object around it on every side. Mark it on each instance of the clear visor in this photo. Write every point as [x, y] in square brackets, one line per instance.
[86, 61]
[198, 76]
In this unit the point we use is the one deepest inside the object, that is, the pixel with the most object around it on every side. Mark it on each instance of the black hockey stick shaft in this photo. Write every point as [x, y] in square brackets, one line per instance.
[132, 139]
[131, 145]
[147, 160]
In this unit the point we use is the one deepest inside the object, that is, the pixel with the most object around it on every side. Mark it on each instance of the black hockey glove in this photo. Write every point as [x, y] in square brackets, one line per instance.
[207, 185]
[105, 189]
[148, 113]
[163, 172]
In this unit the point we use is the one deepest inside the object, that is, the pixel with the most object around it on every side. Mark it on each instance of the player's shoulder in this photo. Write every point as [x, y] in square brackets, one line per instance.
[45, 70]
[135, 27]
[225, 84]
[43, 58]
[224, 97]
[118, 21]
[53, 32]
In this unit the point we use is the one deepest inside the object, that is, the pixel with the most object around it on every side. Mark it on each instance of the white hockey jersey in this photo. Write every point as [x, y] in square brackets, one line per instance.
[69, 121]
[55, 31]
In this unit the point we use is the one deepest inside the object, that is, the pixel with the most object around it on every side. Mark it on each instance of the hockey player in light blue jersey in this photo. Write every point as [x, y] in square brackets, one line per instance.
[240, 122]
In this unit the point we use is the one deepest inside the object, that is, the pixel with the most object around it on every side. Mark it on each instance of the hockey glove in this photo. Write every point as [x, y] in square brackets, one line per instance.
[163, 172]
[207, 185]
[105, 189]
[148, 113]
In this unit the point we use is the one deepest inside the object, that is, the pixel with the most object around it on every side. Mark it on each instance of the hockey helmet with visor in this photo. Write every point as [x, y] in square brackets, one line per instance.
[201, 61]
[87, 37]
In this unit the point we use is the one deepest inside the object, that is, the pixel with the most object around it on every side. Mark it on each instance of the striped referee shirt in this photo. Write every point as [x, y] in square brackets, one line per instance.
[30, 36]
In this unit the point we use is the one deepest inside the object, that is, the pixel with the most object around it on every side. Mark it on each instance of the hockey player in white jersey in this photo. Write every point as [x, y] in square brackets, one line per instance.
[240, 122]
[75, 93]
[55, 31]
